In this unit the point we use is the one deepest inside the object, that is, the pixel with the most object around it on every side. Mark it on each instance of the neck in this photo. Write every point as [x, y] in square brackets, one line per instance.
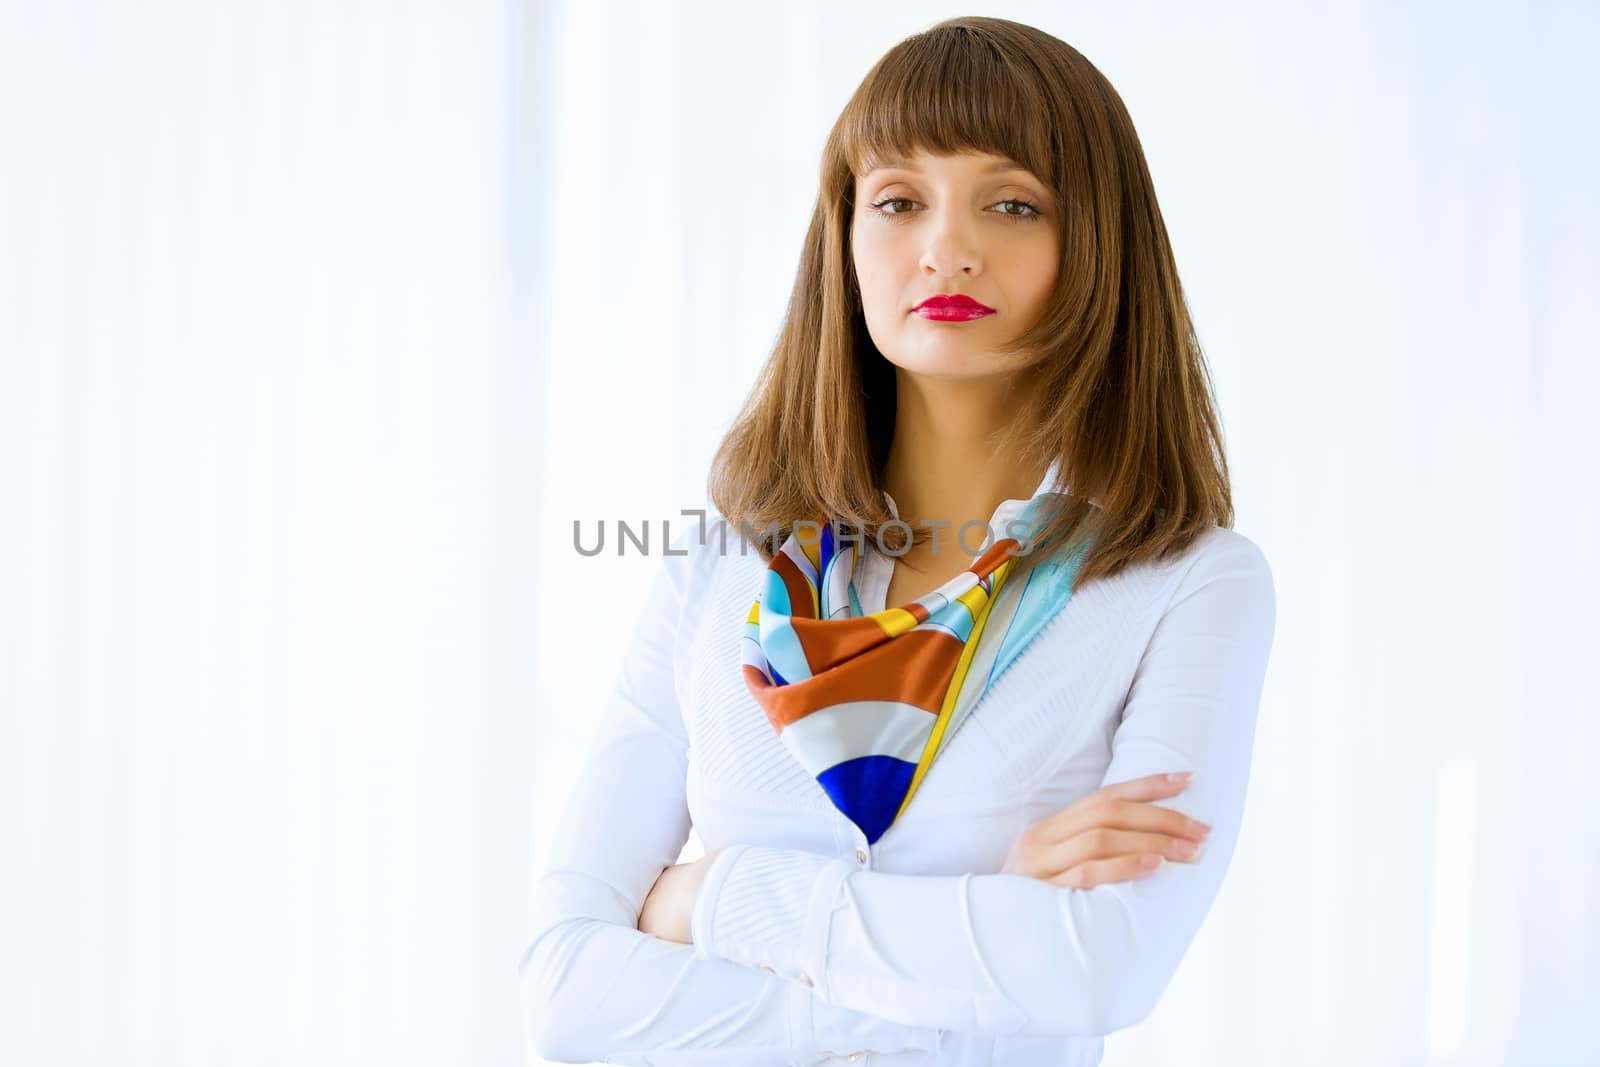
[942, 464]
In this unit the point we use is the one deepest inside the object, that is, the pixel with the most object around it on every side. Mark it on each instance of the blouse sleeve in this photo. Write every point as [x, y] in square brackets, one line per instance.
[1007, 954]
[593, 986]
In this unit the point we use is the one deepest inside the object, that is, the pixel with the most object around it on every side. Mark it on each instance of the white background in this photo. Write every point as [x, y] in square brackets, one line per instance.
[320, 324]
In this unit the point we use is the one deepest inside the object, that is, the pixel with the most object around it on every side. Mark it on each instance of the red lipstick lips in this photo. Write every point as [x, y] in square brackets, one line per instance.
[952, 307]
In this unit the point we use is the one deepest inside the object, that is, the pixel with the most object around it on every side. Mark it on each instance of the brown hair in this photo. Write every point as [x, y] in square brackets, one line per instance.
[1121, 395]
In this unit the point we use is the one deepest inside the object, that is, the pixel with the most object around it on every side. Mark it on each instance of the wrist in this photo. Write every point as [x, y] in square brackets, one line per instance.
[697, 876]
[708, 884]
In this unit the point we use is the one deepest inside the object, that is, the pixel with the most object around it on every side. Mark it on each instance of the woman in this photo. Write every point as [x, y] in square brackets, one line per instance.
[928, 770]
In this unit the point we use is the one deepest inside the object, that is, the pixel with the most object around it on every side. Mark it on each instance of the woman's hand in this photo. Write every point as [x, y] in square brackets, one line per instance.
[670, 901]
[1112, 835]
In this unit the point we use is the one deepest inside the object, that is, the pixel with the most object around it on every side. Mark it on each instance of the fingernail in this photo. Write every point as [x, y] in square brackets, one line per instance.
[1181, 776]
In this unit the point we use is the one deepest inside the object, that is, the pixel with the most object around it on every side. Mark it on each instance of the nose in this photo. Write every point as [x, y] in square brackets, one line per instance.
[951, 248]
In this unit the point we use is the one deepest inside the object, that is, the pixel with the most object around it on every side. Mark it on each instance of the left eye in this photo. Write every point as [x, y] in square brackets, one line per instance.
[1022, 204]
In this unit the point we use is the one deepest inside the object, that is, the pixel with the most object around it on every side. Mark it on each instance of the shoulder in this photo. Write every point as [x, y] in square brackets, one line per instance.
[1223, 550]
[1228, 573]
[705, 547]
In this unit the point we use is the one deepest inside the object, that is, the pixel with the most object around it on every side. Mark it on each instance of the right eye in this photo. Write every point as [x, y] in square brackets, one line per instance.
[892, 200]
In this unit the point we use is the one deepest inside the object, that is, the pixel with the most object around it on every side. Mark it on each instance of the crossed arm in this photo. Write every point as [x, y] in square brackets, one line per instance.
[981, 953]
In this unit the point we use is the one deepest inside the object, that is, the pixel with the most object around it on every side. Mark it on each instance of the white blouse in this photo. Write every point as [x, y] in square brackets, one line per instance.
[809, 944]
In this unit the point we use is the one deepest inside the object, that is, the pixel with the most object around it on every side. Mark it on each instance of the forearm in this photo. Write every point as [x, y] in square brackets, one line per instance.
[988, 954]
[993, 954]
[594, 988]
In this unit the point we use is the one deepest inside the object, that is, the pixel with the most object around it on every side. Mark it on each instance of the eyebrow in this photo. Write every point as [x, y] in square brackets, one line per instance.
[993, 168]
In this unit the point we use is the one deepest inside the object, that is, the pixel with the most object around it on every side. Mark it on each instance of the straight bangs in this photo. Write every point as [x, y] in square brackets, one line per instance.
[947, 93]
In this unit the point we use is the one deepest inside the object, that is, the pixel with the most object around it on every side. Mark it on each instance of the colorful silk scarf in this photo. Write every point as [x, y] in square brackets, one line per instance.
[866, 702]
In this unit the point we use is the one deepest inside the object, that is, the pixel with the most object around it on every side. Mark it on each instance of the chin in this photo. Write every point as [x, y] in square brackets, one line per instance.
[966, 367]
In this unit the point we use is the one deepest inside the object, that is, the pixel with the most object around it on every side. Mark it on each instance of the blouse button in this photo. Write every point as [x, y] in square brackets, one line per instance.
[806, 978]
[861, 855]
[853, 1057]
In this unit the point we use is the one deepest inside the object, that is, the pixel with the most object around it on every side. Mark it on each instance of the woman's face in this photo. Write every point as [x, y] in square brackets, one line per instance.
[975, 225]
